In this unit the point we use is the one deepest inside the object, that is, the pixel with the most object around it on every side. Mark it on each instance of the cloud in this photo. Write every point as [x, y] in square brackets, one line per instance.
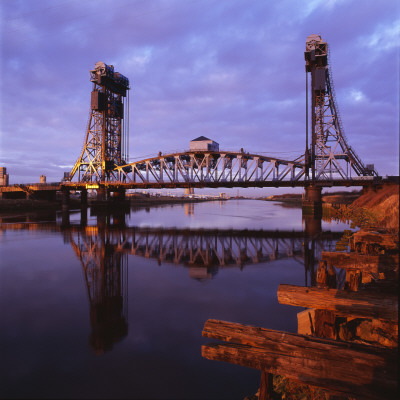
[356, 95]
[233, 71]
[385, 37]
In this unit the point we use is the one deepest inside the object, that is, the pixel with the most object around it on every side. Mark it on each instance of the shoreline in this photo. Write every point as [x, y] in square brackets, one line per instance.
[8, 206]
[328, 198]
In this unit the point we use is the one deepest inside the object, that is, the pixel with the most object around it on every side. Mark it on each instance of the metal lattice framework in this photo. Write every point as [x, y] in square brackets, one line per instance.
[193, 248]
[106, 144]
[106, 281]
[106, 141]
[330, 156]
[220, 168]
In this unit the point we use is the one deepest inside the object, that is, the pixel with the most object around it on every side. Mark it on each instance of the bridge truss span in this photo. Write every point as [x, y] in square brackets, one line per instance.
[218, 167]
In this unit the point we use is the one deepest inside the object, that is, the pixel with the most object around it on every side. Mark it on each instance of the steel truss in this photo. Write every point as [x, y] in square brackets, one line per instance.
[105, 144]
[331, 156]
[210, 167]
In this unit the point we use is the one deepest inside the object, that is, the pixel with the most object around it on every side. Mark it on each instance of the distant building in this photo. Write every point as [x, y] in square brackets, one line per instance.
[203, 144]
[3, 176]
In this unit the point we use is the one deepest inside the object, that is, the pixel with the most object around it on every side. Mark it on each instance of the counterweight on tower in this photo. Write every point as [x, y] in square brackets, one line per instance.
[330, 156]
[107, 136]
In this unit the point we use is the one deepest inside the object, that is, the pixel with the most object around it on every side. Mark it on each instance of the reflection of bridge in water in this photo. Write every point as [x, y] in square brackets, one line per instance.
[203, 251]
[103, 251]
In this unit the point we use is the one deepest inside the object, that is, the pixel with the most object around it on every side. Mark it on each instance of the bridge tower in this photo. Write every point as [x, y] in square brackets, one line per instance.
[107, 135]
[329, 155]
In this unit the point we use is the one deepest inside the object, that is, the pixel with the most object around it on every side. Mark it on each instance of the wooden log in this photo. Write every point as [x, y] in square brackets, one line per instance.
[364, 304]
[372, 243]
[363, 371]
[353, 280]
[365, 263]
[266, 386]
[361, 330]
[326, 276]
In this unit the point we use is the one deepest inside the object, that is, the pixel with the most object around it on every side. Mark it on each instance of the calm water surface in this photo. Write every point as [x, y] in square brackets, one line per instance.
[116, 309]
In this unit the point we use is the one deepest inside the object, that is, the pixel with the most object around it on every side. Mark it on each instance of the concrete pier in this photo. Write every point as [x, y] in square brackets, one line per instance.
[312, 200]
[119, 195]
[312, 224]
[65, 199]
[84, 198]
[102, 194]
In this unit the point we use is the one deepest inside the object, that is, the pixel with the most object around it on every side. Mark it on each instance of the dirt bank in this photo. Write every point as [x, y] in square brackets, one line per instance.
[376, 208]
[341, 197]
[383, 203]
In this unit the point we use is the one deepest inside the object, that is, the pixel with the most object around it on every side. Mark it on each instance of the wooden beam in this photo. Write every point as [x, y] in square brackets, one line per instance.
[363, 371]
[365, 263]
[372, 243]
[266, 386]
[344, 303]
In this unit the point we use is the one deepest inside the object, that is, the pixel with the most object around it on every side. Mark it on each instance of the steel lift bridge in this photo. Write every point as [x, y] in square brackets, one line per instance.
[328, 159]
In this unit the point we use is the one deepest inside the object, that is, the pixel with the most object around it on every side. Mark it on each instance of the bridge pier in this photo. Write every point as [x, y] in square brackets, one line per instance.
[65, 221]
[312, 200]
[119, 195]
[312, 224]
[102, 194]
[84, 217]
[84, 198]
[65, 199]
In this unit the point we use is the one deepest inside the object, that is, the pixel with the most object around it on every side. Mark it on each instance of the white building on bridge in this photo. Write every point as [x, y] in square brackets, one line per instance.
[203, 144]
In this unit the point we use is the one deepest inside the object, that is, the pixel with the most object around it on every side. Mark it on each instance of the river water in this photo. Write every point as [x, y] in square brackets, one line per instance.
[114, 306]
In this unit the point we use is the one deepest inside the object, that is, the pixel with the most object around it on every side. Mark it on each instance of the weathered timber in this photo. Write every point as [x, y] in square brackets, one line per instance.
[266, 386]
[372, 243]
[365, 304]
[365, 372]
[326, 276]
[353, 280]
[365, 263]
[325, 324]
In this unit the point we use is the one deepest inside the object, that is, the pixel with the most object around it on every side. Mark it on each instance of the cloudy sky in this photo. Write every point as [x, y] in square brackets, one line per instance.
[232, 70]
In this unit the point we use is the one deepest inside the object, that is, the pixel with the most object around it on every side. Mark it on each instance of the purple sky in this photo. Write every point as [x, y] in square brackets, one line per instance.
[230, 70]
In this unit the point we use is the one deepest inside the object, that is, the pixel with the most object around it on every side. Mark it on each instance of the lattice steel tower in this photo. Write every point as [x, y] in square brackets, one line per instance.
[330, 156]
[107, 136]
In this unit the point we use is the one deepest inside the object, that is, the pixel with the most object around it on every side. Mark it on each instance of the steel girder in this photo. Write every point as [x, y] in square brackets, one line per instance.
[334, 158]
[210, 167]
[107, 134]
[331, 156]
[193, 248]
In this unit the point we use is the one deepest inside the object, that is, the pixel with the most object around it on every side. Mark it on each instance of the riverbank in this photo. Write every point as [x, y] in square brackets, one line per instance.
[375, 209]
[27, 205]
[139, 200]
[295, 199]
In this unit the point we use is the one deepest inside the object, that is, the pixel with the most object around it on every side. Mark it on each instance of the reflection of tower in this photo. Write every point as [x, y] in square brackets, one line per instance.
[106, 276]
[189, 208]
[309, 259]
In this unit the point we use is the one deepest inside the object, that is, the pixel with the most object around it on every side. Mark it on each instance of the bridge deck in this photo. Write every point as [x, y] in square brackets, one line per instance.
[117, 185]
